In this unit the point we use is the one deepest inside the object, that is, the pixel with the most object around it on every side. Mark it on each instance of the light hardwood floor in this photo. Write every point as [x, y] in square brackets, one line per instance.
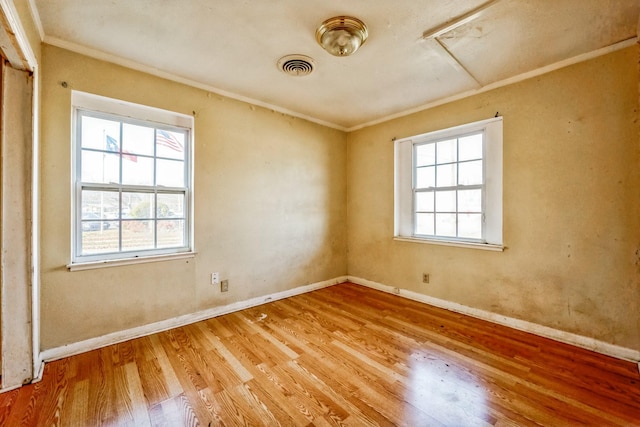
[344, 355]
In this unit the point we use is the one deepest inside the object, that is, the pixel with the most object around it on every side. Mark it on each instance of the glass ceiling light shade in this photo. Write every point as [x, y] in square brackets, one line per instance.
[342, 35]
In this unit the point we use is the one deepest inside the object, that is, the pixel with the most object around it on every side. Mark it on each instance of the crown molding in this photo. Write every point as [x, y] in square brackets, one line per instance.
[35, 15]
[127, 63]
[505, 82]
[93, 53]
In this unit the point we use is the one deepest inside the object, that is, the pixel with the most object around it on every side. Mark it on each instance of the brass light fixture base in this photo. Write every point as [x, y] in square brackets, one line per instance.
[342, 35]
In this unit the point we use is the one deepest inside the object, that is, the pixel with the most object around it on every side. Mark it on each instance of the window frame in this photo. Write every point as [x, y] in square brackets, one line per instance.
[405, 185]
[89, 105]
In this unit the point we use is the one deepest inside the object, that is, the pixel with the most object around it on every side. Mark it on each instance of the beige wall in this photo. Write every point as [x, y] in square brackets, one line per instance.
[276, 195]
[571, 204]
[270, 206]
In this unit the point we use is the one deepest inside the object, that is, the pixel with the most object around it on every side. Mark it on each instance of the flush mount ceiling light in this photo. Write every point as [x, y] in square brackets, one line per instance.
[342, 35]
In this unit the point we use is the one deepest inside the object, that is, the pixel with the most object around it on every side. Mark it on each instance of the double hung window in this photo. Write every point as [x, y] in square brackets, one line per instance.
[132, 180]
[449, 185]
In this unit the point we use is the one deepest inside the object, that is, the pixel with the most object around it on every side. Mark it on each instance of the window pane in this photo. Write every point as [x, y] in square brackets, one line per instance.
[446, 175]
[470, 226]
[171, 233]
[425, 154]
[470, 147]
[137, 235]
[424, 202]
[132, 172]
[447, 151]
[170, 206]
[470, 201]
[446, 225]
[137, 139]
[471, 173]
[100, 204]
[446, 201]
[96, 240]
[137, 171]
[99, 167]
[465, 204]
[94, 132]
[170, 144]
[170, 173]
[424, 224]
[138, 205]
[97, 225]
[425, 177]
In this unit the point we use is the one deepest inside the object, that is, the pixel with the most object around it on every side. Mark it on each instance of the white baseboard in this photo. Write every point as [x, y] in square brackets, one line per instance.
[38, 370]
[140, 331]
[163, 325]
[534, 328]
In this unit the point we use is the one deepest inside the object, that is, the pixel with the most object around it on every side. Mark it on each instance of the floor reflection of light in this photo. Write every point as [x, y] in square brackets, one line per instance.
[446, 392]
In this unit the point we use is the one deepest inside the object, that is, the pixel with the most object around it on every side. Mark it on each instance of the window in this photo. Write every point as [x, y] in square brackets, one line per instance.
[132, 180]
[449, 185]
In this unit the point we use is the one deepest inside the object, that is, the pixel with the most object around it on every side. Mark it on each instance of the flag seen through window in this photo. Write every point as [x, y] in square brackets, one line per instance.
[132, 187]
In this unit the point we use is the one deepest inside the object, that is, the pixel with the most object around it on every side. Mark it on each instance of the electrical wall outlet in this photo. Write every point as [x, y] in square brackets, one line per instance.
[224, 286]
[215, 278]
[425, 277]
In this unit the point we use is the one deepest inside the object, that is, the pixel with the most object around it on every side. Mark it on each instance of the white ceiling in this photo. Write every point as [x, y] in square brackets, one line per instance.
[232, 47]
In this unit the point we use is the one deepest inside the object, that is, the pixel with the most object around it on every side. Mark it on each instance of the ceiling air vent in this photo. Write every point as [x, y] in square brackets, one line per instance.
[296, 65]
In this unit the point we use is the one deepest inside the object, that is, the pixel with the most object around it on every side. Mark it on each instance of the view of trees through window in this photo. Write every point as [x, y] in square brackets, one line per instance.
[102, 225]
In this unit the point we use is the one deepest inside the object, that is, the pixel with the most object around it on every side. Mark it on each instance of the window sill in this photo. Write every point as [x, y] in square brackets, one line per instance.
[79, 266]
[468, 245]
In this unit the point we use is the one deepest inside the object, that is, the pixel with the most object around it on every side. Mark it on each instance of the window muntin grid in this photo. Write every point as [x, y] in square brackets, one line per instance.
[132, 187]
[448, 188]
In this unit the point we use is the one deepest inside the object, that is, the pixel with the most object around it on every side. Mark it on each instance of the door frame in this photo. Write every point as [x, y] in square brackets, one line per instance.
[20, 56]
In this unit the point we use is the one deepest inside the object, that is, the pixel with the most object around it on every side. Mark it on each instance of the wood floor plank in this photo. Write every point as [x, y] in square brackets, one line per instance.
[285, 413]
[135, 391]
[77, 410]
[174, 412]
[171, 382]
[180, 355]
[334, 379]
[100, 386]
[340, 356]
[7, 402]
[354, 408]
[235, 410]
[282, 346]
[56, 389]
[307, 390]
[152, 381]
[229, 359]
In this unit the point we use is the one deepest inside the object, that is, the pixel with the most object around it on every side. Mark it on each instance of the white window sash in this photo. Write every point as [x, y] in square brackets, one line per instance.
[120, 111]
[404, 186]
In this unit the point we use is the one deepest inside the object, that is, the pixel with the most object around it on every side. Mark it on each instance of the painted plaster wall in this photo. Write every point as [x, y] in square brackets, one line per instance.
[270, 206]
[571, 202]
